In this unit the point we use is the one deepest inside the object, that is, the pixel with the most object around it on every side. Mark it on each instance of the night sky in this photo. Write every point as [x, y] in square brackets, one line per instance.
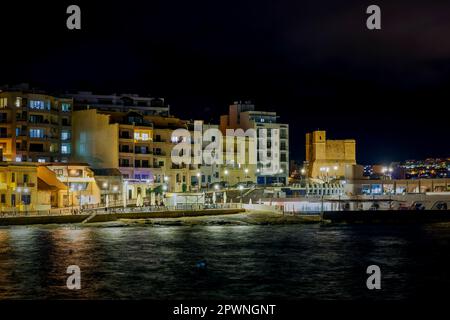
[314, 62]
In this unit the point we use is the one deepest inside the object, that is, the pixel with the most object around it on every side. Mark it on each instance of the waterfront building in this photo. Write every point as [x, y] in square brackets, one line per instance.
[30, 187]
[242, 115]
[231, 172]
[81, 187]
[328, 159]
[110, 184]
[18, 186]
[138, 145]
[34, 126]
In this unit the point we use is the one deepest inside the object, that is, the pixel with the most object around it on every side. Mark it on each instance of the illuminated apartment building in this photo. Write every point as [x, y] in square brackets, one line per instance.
[137, 145]
[242, 115]
[34, 126]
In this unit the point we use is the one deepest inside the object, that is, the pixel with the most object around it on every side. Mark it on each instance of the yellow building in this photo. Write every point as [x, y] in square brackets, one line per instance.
[328, 159]
[18, 187]
[35, 187]
[232, 171]
[136, 144]
[80, 187]
[242, 115]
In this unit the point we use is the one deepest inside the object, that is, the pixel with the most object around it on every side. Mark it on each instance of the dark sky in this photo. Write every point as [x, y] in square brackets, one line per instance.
[314, 62]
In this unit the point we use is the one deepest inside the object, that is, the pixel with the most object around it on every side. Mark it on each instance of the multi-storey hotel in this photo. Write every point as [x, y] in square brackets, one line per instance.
[34, 126]
[242, 115]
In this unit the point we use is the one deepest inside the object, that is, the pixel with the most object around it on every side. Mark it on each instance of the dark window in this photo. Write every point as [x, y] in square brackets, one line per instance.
[36, 147]
[26, 199]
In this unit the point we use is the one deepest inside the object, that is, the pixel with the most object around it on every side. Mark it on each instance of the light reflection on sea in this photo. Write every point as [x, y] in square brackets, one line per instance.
[248, 262]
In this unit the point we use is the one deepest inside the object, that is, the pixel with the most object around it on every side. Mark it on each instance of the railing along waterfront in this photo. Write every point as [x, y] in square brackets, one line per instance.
[98, 209]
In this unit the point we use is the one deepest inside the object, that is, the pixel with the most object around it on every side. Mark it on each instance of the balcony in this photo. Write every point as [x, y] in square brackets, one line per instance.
[125, 137]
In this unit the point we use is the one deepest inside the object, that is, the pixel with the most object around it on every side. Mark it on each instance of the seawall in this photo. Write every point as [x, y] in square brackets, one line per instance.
[69, 219]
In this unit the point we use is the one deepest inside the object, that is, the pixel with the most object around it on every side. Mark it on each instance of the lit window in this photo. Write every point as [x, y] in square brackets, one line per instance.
[18, 102]
[18, 159]
[136, 136]
[65, 135]
[41, 160]
[3, 102]
[65, 148]
[37, 104]
[36, 133]
[145, 136]
[65, 107]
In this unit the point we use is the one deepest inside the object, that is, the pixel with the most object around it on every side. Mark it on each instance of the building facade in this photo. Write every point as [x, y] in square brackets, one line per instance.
[120, 103]
[138, 145]
[34, 127]
[242, 115]
[328, 159]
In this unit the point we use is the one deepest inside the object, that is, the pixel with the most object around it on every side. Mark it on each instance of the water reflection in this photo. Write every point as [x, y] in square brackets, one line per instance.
[287, 262]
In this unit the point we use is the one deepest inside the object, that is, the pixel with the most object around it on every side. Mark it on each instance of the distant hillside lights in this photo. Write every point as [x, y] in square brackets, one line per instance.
[244, 148]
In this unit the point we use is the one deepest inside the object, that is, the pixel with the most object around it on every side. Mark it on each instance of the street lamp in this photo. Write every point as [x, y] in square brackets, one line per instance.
[198, 180]
[241, 188]
[226, 172]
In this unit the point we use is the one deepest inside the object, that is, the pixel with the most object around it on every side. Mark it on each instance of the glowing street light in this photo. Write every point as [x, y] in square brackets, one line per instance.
[216, 187]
